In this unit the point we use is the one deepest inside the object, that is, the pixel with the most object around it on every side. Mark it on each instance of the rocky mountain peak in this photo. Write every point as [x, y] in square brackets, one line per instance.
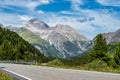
[70, 33]
[37, 23]
[61, 26]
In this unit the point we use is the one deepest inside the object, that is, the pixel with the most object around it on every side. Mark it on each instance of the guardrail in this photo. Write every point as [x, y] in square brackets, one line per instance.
[18, 62]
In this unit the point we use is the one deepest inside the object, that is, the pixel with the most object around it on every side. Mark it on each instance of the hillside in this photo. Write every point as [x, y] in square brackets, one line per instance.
[13, 47]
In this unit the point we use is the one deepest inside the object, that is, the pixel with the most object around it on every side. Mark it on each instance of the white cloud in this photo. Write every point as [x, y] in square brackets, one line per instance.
[14, 19]
[73, 13]
[66, 12]
[44, 1]
[105, 21]
[30, 4]
[24, 18]
[109, 2]
[76, 4]
[40, 12]
[53, 19]
[10, 19]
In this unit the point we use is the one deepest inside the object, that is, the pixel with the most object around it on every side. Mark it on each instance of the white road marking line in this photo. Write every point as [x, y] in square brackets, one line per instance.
[17, 74]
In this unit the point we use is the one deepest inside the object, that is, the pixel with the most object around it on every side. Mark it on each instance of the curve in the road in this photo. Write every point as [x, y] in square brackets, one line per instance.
[16, 76]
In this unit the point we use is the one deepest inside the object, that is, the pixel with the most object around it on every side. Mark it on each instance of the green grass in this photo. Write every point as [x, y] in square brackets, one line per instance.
[111, 70]
[4, 76]
[93, 66]
[30, 37]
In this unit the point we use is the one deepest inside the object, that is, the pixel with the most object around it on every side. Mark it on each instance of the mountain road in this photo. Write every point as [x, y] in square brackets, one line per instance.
[31, 72]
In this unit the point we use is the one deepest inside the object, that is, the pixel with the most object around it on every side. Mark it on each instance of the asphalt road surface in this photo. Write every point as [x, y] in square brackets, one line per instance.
[13, 75]
[29, 72]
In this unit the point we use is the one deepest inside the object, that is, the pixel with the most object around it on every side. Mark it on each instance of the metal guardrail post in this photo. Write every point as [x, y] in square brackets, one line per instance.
[18, 62]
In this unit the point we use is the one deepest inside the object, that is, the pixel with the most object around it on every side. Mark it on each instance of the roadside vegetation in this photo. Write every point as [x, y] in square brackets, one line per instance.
[4, 76]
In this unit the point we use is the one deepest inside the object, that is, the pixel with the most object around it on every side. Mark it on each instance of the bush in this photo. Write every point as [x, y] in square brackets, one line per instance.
[97, 65]
[4, 76]
[55, 62]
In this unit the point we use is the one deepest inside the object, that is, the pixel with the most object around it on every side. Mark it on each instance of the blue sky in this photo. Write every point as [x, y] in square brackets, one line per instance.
[89, 17]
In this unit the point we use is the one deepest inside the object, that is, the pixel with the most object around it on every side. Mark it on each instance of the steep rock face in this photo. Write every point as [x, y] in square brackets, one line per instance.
[70, 33]
[112, 36]
[66, 40]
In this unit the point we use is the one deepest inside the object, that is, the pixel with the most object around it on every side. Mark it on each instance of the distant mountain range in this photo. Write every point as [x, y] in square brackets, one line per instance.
[61, 41]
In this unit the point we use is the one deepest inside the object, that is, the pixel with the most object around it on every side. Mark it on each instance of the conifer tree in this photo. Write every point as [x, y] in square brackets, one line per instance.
[117, 55]
[100, 47]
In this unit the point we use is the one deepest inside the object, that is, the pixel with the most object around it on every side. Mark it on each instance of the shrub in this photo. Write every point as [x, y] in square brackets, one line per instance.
[4, 76]
[97, 65]
[55, 62]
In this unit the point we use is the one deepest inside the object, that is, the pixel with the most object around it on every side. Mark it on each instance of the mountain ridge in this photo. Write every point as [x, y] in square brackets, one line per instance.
[37, 23]
[112, 36]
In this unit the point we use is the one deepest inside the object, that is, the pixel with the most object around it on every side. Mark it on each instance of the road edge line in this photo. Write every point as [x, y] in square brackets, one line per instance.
[17, 74]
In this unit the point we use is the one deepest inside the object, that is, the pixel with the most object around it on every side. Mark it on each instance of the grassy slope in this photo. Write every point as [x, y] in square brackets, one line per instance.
[30, 37]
